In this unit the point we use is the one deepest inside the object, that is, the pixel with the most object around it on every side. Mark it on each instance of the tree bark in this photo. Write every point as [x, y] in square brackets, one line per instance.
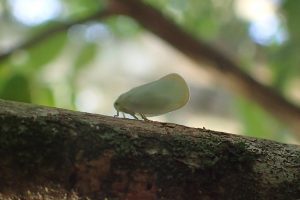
[54, 153]
[195, 49]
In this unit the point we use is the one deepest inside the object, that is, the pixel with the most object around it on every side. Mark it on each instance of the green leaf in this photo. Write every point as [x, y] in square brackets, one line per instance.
[86, 55]
[257, 122]
[45, 52]
[81, 8]
[42, 94]
[16, 88]
[291, 11]
[123, 26]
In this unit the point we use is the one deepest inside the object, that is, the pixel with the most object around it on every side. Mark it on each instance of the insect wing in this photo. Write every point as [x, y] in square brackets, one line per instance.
[158, 97]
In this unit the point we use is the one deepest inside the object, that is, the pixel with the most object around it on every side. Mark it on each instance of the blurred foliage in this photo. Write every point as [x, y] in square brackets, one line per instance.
[213, 21]
[43, 53]
[86, 54]
[16, 87]
[81, 8]
[257, 121]
[123, 26]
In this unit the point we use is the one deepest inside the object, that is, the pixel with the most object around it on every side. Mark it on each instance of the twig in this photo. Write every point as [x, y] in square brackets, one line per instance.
[48, 33]
[195, 49]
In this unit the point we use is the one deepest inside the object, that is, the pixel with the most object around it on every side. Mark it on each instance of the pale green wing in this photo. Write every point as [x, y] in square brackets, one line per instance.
[158, 97]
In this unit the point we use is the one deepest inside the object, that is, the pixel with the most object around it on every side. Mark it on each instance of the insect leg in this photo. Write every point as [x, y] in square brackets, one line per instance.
[117, 115]
[144, 117]
[133, 115]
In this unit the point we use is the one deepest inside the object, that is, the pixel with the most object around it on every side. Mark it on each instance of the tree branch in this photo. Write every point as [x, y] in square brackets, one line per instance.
[46, 34]
[201, 53]
[197, 50]
[54, 153]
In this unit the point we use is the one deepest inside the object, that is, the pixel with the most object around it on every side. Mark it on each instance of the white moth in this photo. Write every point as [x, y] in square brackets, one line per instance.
[164, 95]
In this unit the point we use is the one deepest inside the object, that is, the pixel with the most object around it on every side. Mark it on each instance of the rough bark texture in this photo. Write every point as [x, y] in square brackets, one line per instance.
[49, 153]
[194, 48]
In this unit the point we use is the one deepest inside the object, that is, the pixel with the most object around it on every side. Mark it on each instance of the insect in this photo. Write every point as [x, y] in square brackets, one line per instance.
[164, 95]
